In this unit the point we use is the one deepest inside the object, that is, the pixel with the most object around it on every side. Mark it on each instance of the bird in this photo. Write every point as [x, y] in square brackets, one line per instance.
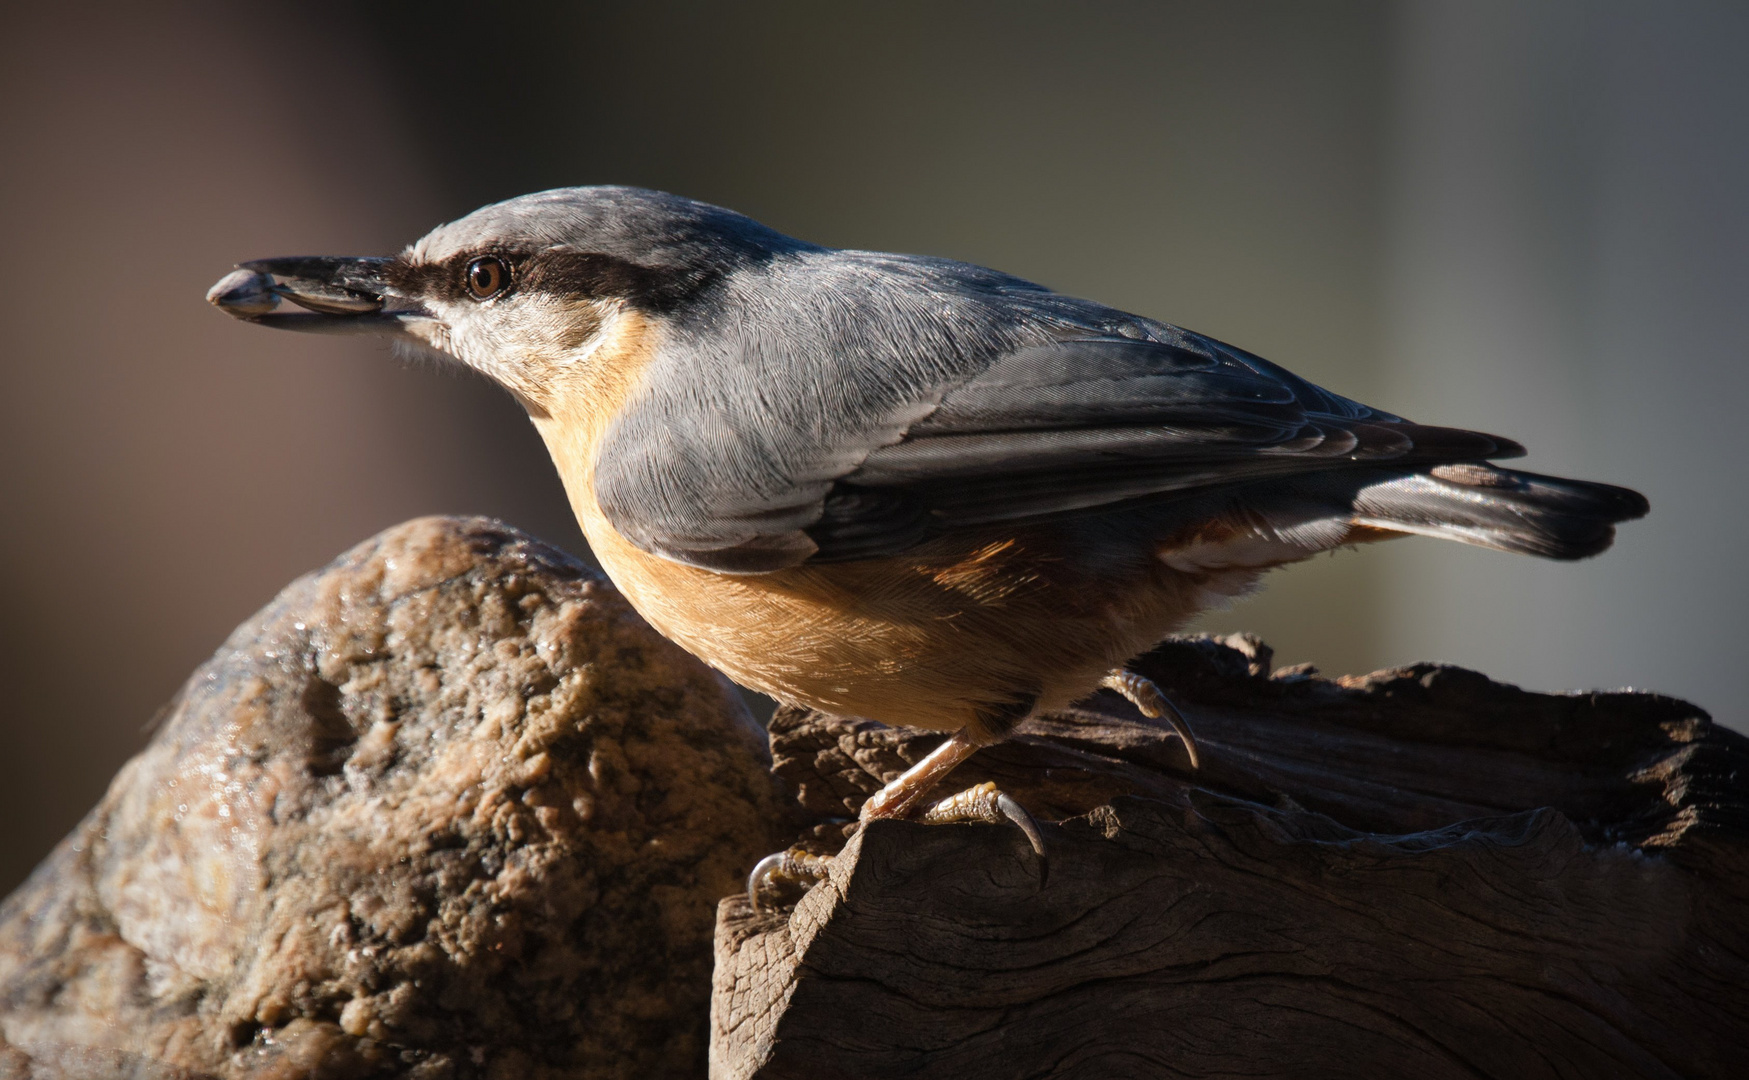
[903, 487]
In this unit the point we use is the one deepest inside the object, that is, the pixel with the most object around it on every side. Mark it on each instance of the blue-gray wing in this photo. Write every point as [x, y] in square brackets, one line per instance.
[908, 398]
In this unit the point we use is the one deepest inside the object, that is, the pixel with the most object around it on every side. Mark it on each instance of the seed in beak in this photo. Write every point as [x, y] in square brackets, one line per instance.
[327, 297]
[244, 294]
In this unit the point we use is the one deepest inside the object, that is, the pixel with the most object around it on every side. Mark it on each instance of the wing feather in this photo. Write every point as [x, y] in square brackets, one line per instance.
[1088, 422]
[852, 405]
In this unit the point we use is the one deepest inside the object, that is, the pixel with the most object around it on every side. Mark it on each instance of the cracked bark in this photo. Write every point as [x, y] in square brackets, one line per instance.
[1418, 872]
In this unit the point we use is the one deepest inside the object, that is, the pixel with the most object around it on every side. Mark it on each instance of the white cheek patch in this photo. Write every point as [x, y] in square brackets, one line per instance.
[432, 333]
[525, 341]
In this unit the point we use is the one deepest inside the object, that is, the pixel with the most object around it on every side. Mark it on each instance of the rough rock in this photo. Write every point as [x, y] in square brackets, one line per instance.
[445, 808]
[1415, 873]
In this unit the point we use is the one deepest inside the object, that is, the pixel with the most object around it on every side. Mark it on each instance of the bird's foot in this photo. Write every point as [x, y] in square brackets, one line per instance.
[1153, 704]
[905, 798]
[787, 871]
[986, 804]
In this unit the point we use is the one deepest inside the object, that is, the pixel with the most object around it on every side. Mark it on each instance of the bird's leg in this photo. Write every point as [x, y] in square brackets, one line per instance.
[905, 795]
[982, 804]
[902, 797]
[1151, 703]
[898, 799]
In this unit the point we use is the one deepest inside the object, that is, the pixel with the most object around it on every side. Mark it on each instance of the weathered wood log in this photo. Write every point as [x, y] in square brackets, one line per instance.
[1419, 872]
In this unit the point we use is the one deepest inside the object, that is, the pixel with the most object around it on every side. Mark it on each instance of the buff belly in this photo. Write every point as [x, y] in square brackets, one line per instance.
[940, 638]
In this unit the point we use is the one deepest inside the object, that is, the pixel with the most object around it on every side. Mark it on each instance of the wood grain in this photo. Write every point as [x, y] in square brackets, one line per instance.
[1419, 872]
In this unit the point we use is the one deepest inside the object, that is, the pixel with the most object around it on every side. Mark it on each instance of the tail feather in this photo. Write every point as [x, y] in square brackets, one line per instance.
[1477, 503]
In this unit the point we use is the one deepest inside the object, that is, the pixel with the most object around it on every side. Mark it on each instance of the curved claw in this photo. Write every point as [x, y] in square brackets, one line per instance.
[1017, 813]
[987, 804]
[763, 870]
[1181, 727]
[792, 867]
[1151, 703]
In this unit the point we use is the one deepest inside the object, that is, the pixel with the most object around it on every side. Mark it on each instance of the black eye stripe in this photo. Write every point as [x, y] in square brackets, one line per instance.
[559, 272]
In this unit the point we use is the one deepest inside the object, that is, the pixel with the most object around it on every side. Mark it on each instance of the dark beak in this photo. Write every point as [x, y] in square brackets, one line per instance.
[339, 295]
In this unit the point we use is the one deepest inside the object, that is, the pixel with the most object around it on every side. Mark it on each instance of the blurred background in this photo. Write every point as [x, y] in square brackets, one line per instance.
[1528, 218]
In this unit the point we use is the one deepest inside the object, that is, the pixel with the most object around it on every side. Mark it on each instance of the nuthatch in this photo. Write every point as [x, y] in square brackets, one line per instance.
[899, 487]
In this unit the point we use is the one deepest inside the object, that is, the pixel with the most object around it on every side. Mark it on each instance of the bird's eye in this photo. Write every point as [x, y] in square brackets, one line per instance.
[487, 277]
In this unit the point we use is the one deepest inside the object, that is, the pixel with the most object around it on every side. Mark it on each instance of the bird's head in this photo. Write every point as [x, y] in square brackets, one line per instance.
[525, 291]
